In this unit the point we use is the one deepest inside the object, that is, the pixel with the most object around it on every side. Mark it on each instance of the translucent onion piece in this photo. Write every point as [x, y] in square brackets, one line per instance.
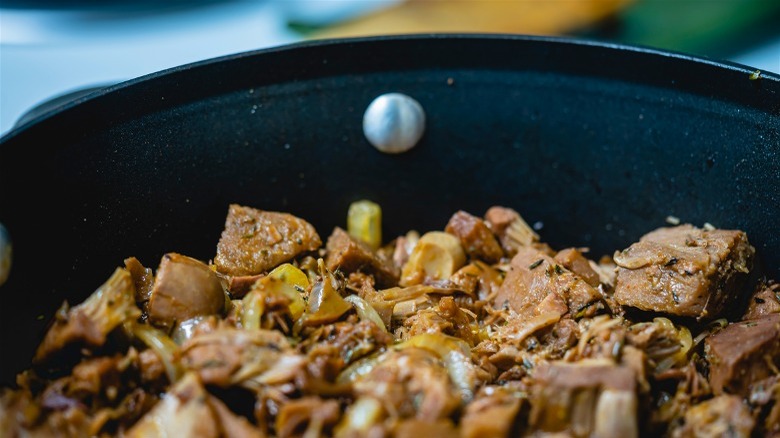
[252, 309]
[290, 282]
[162, 345]
[290, 275]
[182, 411]
[325, 302]
[456, 355]
[359, 418]
[359, 368]
[365, 311]
[286, 281]
[712, 328]
[183, 330]
[616, 414]
[276, 287]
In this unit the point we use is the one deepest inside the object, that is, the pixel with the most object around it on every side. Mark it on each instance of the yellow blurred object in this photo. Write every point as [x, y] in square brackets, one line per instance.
[436, 256]
[290, 275]
[364, 222]
[540, 17]
[286, 281]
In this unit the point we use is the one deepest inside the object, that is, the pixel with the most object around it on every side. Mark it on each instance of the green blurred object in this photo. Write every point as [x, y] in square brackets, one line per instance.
[713, 28]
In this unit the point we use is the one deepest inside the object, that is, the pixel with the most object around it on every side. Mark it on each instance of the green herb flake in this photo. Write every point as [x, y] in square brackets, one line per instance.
[756, 75]
[536, 263]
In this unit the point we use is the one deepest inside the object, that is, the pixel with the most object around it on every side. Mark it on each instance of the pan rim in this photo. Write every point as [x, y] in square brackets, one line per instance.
[770, 79]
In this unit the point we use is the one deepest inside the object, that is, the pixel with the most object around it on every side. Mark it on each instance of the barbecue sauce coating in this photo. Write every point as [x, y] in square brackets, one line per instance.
[478, 329]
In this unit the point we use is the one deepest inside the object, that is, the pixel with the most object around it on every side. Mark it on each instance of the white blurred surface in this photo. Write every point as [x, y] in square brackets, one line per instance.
[45, 53]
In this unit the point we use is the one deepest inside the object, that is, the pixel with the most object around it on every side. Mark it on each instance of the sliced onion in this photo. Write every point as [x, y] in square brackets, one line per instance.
[677, 343]
[280, 288]
[364, 311]
[184, 330]
[292, 283]
[290, 275]
[359, 368]
[252, 309]
[713, 327]
[456, 355]
[284, 281]
[325, 302]
[686, 342]
[360, 417]
[162, 345]
[616, 414]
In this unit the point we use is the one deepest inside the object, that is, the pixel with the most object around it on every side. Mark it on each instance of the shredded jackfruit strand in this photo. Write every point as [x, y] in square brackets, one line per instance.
[534, 324]
[396, 294]
[113, 302]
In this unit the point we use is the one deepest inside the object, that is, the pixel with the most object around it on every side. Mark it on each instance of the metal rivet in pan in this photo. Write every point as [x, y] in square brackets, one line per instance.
[5, 254]
[394, 123]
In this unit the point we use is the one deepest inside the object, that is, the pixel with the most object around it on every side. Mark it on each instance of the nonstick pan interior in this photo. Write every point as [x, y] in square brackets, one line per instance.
[595, 143]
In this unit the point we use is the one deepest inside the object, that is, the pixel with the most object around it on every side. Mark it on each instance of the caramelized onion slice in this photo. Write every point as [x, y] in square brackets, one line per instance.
[365, 311]
[456, 356]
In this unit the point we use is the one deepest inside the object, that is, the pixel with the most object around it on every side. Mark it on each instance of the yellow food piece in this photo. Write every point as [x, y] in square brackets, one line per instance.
[360, 418]
[290, 275]
[325, 303]
[285, 280]
[295, 282]
[436, 256]
[364, 222]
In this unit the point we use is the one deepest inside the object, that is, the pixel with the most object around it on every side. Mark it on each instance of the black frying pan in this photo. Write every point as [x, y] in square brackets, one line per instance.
[598, 142]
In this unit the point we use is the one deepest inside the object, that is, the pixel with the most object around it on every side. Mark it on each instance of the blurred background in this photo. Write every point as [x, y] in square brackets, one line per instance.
[49, 48]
